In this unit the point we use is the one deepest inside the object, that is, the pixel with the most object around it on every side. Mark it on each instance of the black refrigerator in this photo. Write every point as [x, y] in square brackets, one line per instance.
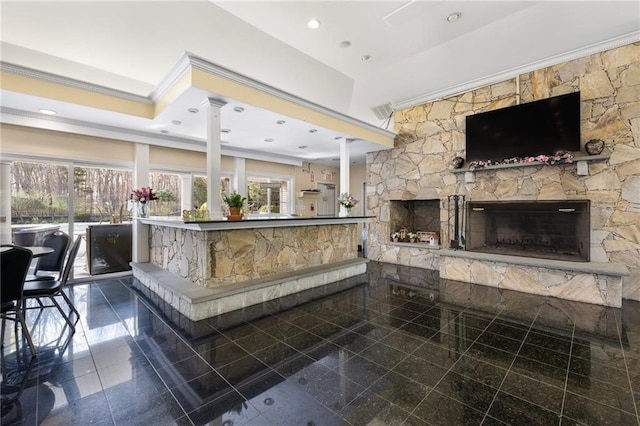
[108, 248]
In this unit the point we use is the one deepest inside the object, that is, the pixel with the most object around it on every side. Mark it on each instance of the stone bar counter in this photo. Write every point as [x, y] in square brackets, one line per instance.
[276, 256]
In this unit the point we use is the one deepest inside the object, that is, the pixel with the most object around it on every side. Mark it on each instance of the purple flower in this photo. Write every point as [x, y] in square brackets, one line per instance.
[142, 195]
[347, 200]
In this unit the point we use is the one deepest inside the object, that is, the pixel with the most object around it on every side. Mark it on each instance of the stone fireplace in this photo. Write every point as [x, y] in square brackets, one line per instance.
[605, 260]
[557, 230]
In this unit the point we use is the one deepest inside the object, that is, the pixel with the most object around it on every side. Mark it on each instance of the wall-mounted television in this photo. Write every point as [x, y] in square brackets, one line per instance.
[539, 127]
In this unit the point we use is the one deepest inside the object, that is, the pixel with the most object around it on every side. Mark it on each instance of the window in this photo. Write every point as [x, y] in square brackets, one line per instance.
[167, 187]
[39, 193]
[101, 194]
[200, 189]
[268, 195]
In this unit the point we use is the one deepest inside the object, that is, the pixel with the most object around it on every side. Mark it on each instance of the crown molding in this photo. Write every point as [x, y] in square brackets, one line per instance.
[51, 122]
[60, 124]
[71, 82]
[11, 157]
[187, 61]
[175, 73]
[516, 71]
[219, 71]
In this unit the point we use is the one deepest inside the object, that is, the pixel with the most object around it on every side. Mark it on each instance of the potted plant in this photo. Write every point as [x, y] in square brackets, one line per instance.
[412, 236]
[395, 236]
[235, 202]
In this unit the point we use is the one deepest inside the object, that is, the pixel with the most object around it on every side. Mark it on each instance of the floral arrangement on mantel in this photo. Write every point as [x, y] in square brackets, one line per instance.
[557, 158]
[144, 194]
[348, 201]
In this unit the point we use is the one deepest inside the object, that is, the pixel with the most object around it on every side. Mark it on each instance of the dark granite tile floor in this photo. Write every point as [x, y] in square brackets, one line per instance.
[377, 352]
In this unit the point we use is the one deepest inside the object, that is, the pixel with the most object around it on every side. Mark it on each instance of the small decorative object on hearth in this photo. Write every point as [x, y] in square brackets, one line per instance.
[594, 146]
[403, 233]
[457, 162]
[395, 236]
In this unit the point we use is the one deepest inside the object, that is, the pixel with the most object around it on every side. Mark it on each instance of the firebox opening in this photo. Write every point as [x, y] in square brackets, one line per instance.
[415, 215]
[543, 229]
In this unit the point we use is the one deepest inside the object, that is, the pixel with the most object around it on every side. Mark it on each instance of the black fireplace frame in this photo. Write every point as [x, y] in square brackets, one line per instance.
[549, 229]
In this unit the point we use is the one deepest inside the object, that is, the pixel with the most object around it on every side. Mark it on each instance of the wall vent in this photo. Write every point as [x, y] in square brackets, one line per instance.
[383, 112]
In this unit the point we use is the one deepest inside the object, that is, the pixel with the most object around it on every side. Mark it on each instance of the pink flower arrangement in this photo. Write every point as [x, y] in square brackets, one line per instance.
[144, 194]
[557, 158]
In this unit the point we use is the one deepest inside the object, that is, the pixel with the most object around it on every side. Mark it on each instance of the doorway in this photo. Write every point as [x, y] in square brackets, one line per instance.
[327, 199]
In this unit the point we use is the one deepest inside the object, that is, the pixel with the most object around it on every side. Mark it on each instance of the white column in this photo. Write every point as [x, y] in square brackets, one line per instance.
[240, 176]
[186, 188]
[344, 171]
[5, 202]
[140, 250]
[214, 201]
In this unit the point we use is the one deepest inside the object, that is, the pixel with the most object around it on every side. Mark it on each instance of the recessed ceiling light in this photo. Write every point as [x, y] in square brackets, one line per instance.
[453, 17]
[268, 140]
[365, 58]
[280, 122]
[345, 44]
[335, 159]
[176, 122]
[48, 111]
[193, 110]
[238, 109]
[313, 130]
[225, 130]
[164, 131]
[303, 147]
[313, 24]
[338, 138]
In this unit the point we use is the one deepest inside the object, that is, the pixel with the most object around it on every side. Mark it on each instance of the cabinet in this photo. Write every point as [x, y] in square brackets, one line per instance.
[108, 248]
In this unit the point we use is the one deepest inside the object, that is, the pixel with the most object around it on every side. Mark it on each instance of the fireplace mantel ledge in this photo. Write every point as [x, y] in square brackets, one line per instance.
[602, 268]
[600, 157]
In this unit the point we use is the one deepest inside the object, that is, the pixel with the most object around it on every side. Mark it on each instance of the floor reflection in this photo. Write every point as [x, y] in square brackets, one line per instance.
[23, 376]
[397, 346]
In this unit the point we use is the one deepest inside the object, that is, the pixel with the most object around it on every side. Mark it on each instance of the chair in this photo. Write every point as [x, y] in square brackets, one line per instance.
[54, 262]
[51, 288]
[15, 263]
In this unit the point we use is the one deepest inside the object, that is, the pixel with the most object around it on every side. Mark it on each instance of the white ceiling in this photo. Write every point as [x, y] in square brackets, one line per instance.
[415, 56]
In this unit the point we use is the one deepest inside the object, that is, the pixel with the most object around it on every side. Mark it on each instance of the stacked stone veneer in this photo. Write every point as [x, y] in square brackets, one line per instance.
[598, 283]
[431, 135]
[217, 258]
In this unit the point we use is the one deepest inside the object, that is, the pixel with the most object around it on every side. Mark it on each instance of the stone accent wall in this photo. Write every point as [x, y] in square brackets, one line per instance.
[431, 135]
[216, 258]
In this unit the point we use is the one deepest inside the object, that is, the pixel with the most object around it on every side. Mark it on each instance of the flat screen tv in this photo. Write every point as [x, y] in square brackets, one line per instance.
[539, 127]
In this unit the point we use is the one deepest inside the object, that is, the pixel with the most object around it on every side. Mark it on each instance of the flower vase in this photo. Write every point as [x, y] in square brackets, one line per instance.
[344, 212]
[143, 210]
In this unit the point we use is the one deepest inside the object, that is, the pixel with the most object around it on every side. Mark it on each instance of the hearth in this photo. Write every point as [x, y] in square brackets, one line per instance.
[542, 229]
